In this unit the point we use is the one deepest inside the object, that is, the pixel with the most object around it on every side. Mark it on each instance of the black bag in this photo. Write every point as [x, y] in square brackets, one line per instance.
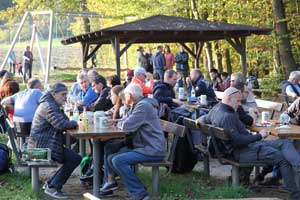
[184, 158]
[5, 159]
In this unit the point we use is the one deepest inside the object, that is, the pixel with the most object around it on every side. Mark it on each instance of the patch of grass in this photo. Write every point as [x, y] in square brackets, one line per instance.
[193, 185]
[63, 76]
[17, 187]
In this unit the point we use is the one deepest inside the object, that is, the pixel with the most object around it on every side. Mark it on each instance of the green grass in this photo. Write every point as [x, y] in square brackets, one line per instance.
[193, 185]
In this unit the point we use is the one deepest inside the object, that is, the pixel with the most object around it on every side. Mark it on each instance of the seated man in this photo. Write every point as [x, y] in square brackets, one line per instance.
[163, 91]
[148, 141]
[291, 87]
[100, 87]
[139, 78]
[246, 147]
[25, 104]
[201, 86]
[237, 80]
[47, 129]
[87, 94]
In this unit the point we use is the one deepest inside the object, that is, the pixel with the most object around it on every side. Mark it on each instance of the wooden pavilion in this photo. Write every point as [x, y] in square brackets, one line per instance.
[167, 29]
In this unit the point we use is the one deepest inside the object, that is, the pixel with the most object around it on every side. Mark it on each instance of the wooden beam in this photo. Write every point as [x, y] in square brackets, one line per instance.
[85, 51]
[127, 46]
[198, 50]
[188, 49]
[93, 51]
[117, 55]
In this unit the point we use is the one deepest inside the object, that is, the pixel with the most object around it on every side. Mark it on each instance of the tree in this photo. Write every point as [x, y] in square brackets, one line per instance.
[284, 43]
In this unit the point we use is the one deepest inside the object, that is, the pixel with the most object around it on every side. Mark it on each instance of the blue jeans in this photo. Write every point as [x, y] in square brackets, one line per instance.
[160, 73]
[72, 160]
[121, 163]
[27, 69]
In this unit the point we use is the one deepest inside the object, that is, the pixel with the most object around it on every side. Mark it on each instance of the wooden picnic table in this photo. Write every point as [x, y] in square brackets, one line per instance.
[291, 133]
[97, 135]
[195, 106]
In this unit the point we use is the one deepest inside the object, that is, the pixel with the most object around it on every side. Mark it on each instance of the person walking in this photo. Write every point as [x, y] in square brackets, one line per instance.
[28, 58]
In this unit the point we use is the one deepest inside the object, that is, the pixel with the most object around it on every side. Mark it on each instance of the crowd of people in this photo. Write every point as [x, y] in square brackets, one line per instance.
[134, 106]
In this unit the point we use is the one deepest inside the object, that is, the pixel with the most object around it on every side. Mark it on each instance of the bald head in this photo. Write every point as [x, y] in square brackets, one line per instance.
[195, 74]
[232, 97]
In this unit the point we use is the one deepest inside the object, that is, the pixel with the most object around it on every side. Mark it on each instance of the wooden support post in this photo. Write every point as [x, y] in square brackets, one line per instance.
[155, 180]
[198, 50]
[235, 176]
[117, 55]
[92, 52]
[206, 164]
[188, 49]
[35, 179]
[85, 50]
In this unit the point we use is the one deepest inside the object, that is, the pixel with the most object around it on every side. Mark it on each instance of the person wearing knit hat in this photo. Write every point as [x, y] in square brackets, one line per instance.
[47, 131]
[99, 85]
[130, 74]
[139, 78]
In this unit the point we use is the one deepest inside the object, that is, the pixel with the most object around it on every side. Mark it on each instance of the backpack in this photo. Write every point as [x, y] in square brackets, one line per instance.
[5, 159]
[184, 158]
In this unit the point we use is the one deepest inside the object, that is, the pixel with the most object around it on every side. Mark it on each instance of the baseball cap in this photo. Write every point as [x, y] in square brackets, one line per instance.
[140, 70]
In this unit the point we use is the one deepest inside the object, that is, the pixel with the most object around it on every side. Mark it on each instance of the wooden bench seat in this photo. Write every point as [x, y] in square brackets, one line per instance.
[177, 131]
[33, 166]
[219, 133]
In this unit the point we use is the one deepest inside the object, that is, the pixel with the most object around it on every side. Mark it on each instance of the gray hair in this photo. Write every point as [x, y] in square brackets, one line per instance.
[294, 75]
[135, 90]
[239, 81]
[92, 74]
[33, 82]
[82, 76]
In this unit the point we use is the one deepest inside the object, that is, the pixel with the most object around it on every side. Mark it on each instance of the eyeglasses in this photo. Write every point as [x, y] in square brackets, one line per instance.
[237, 91]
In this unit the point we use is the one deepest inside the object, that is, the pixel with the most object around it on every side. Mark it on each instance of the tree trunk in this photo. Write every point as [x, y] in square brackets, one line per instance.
[228, 61]
[285, 49]
[208, 51]
[86, 21]
[218, 56]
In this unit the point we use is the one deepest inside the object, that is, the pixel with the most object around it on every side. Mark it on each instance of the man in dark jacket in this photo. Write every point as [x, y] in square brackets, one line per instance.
[182, 63]
[245, 147]
[163, 91]
[201, 86]
[47, 129]
[100, 87]
[291, 87]
[159, 62]
[148, 141]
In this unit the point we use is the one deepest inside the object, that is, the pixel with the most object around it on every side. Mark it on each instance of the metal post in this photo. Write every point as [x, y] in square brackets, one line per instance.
[96, 160]
[82, 147]
[39, 50]
[32, 37]
[49, 50]
[15, 40]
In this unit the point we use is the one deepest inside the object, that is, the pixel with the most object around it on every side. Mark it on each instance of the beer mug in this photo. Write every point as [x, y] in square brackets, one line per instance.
[265, 117]
[97, 116]
[103, 122]
[203, 100]
[284, 119]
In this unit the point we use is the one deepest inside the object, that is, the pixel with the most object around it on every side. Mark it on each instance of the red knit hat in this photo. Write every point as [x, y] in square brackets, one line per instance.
[130, 73]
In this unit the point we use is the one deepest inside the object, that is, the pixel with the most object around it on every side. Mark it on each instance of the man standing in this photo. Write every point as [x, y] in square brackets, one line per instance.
[28, 58]
[182, 62]
[159, 62]
[245, 147]
[148, 141]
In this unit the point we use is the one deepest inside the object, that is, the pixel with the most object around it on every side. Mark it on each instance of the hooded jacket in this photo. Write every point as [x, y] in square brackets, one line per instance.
[158, 60]
[48, 125]
[143, 124]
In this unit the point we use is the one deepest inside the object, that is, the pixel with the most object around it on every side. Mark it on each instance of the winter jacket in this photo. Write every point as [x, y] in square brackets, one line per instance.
[144, 125]
[181, 60]
[103, 102]
[158, 61]
[164, 93]
[48, 125]
[146, 90]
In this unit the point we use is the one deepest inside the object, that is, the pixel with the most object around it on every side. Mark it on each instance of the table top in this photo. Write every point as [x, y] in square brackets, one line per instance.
[91, 132]
[291, 133]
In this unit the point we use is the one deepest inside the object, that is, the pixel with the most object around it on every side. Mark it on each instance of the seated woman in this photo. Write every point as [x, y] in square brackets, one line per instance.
[9, 88]
[47, 129]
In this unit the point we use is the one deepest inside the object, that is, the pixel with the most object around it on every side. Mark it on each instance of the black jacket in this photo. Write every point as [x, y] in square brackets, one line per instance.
[225, 117]
[164, 93]
[103, 102]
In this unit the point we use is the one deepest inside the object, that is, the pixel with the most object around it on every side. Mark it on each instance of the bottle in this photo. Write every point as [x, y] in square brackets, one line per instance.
[193, 93]
[181, 93]
[85, 120]
[76, 113]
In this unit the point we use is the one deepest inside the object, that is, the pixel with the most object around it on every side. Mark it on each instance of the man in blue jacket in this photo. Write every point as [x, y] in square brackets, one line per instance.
[182, 62]
[245, 147]
[159, 62]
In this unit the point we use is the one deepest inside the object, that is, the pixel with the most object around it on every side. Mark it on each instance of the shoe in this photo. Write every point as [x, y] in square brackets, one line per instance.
[109, 186]
[54, 193]
[109, 193]
[45, 186]
[272, 181]
[143, 196]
